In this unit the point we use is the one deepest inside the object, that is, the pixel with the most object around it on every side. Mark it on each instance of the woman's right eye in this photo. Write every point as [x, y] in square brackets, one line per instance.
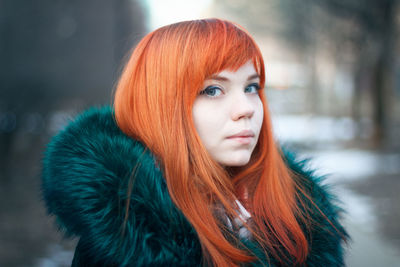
[212, 91]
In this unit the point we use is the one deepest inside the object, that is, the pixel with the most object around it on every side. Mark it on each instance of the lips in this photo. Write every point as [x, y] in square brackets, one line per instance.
[243, 137]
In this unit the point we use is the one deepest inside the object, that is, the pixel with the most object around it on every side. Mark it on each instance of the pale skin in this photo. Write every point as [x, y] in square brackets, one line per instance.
[228, 115]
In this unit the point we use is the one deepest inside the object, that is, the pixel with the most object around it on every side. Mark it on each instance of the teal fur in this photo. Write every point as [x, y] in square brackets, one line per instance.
[87, 171]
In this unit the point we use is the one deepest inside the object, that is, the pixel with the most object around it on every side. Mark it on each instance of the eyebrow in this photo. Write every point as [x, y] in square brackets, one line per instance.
[222, 78]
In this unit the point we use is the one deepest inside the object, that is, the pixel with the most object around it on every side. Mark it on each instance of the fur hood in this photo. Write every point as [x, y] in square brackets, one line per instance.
[87, 172]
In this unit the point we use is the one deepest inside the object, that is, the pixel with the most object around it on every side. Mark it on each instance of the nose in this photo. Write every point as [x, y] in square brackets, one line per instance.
[242, 107]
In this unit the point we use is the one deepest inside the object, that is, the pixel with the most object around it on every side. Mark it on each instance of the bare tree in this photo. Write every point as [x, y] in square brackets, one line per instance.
[374, 38]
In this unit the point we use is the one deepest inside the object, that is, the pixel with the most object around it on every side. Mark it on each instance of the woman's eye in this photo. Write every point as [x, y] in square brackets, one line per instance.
[252, 88]
[211, 91]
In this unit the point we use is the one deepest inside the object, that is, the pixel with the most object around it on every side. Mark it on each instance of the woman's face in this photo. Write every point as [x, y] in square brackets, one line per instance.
[228, 115]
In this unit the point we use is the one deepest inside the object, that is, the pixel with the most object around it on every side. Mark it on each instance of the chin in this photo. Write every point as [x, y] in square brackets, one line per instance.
[235, 160]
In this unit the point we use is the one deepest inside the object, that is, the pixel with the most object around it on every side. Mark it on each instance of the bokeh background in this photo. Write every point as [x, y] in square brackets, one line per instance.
[333, 84]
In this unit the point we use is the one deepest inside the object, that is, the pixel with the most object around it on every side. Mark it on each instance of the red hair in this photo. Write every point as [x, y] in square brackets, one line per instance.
[153, 103]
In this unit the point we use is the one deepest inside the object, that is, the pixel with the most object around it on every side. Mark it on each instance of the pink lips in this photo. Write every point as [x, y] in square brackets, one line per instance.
[243, 137]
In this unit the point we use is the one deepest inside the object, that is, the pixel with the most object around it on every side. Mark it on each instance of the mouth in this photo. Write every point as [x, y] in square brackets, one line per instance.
[243, 137]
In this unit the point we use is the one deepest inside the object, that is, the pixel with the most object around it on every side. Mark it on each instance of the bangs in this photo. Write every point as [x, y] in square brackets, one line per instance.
[228, 47]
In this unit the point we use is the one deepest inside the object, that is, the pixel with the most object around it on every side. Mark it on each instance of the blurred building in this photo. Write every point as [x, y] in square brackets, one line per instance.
[63, 50]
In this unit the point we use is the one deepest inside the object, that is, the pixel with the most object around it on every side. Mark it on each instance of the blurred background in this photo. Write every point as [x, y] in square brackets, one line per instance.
[333, 84]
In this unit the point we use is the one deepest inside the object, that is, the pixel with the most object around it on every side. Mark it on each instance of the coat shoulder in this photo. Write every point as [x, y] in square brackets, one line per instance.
[105, 188]
[326, 232]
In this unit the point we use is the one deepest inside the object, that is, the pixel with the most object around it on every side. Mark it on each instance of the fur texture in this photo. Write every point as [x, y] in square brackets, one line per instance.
[87, 173]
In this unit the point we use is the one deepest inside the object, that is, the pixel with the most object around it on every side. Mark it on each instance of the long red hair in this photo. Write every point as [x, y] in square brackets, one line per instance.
[153, 103]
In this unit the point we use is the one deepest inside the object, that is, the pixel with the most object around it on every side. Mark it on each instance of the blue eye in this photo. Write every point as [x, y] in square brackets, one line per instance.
[211, 91]
[252, 88]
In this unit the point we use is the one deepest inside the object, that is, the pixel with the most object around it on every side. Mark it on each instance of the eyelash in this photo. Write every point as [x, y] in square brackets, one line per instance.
[256, 85]
[213, 87]
[204, 92]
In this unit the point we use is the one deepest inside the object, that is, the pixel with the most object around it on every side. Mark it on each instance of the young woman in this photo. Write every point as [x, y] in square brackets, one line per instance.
[184, 169]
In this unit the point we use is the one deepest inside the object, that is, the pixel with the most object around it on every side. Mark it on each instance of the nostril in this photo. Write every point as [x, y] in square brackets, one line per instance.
[242, 111]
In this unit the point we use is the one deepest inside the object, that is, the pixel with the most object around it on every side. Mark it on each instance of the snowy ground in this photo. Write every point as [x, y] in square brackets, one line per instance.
[369, 245]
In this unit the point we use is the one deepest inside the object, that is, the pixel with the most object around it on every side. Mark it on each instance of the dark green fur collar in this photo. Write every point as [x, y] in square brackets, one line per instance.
[86, 178]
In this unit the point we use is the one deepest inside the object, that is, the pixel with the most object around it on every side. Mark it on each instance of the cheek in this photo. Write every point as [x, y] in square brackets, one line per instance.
[200, 115]
[209, 119]
[204, 120]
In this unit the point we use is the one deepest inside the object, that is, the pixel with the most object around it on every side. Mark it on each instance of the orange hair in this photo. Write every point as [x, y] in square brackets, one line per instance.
[153, 103]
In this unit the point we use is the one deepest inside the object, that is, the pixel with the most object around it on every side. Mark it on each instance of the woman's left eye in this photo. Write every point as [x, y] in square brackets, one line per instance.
[252, 88]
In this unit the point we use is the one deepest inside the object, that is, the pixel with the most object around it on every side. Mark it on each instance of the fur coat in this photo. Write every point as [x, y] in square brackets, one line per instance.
[87, 171]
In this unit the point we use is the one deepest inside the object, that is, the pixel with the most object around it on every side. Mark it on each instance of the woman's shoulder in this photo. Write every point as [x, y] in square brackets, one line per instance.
[313, 184]
[105, 188]
[85, 164]
[326, 232]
